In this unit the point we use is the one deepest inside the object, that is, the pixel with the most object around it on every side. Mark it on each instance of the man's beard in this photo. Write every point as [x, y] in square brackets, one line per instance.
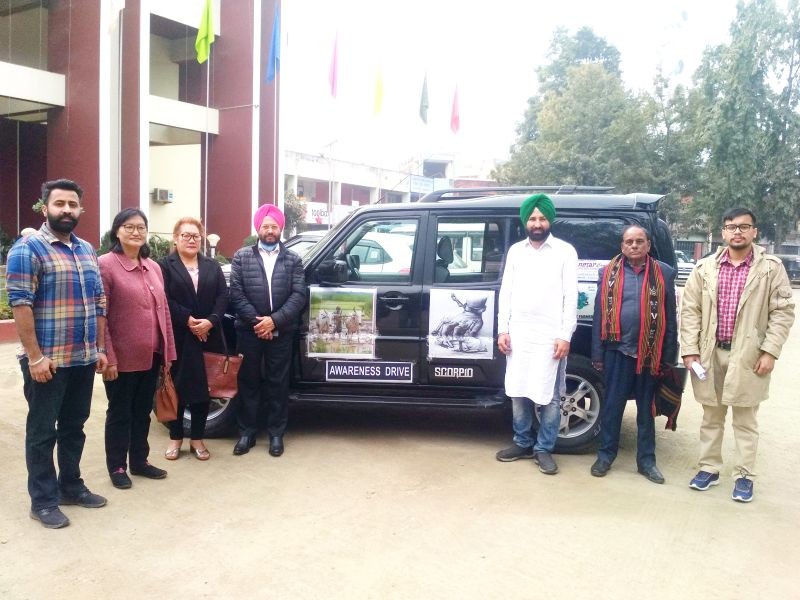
[62, 224]
[538, 236]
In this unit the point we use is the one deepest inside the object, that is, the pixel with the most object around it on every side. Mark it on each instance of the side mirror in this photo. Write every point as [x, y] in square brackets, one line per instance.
[354, 262]
[332, 271]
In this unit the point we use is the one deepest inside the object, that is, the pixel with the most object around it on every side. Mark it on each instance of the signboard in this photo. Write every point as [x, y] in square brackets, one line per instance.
[317, 213]
[369, 371]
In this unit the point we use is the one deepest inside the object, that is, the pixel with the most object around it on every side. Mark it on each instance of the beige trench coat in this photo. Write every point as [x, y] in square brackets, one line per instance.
[763, 320]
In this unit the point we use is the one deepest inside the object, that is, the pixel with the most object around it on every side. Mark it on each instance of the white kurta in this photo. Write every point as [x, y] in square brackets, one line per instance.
[538, 304]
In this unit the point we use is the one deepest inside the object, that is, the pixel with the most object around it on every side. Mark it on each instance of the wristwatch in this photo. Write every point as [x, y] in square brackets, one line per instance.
[101, 349]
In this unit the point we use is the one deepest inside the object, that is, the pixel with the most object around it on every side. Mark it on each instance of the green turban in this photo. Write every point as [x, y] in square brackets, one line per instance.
[540, 201]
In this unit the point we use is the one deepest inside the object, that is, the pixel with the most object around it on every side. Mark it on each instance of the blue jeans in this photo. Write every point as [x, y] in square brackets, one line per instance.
[550, 415]
[57, 411]
[622, 382]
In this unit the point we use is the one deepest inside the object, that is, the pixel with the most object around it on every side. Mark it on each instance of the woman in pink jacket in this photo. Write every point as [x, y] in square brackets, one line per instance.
[138, 342]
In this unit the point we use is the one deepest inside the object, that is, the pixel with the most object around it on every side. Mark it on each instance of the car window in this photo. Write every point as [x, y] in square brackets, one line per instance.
[379, 251]
[468, 250]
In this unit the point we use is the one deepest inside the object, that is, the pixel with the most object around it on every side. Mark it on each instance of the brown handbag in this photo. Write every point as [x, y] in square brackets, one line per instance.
[222, 371]
[166, 397]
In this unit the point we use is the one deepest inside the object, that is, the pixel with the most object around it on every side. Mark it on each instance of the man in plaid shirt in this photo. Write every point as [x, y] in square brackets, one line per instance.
[736, 313]
[56, 294]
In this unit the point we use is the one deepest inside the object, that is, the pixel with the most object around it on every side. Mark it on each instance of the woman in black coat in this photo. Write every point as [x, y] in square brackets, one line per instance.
[198, 299]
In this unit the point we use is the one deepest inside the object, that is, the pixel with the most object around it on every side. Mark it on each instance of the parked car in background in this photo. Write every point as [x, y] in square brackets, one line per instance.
[792, 264]
[303, 242]
[685, 266]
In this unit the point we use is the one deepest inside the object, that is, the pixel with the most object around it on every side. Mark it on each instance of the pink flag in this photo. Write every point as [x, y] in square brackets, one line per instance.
[455, 117]
[333, 74]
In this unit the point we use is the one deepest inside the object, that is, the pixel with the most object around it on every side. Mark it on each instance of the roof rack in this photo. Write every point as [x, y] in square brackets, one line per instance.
[482, 192]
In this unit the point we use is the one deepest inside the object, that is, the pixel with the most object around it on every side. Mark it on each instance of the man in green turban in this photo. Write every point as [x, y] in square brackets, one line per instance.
[537, 315]
[540, 201]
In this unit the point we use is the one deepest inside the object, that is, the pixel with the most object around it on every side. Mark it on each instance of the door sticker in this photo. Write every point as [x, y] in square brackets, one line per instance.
[369, 371]
[341, 322]
[461, 324]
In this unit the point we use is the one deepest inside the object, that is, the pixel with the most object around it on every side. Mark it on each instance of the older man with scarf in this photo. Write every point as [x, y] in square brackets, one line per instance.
[634, 333]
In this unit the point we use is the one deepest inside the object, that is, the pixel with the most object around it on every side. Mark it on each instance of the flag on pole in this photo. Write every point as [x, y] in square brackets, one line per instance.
[274, 64]
[333, 74]
[378, 91]
[423, 101]
[205, 34]
[455, 117]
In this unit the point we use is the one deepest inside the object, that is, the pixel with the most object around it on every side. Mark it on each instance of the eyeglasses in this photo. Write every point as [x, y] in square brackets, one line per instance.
[744, 228]
[129, 228]
[195, 237]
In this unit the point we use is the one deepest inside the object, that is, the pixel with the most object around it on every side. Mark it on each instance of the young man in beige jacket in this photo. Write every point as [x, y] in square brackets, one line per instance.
[736, 314]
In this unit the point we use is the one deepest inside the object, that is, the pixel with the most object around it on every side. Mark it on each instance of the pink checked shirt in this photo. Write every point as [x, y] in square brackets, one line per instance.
[730, 284]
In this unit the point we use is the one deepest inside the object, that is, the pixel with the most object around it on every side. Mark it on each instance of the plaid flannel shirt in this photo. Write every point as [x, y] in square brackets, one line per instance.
[62, 285]
[730, 285]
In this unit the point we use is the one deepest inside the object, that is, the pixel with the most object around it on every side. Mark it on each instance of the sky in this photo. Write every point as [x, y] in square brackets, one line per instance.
[489, 51]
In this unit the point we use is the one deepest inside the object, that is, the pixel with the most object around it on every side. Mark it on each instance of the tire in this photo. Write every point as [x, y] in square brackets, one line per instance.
[580, 407]
[221, 420]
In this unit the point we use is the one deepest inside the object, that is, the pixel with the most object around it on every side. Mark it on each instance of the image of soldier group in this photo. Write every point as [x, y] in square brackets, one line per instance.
[127, 317]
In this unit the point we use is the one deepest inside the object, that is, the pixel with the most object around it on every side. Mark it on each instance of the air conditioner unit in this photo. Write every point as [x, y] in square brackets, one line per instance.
[162, 195]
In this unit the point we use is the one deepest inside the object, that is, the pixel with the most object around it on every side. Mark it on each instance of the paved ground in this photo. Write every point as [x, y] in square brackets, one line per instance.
[378, 503]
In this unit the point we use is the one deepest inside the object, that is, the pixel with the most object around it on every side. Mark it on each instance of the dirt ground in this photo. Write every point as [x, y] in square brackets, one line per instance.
[399, 503]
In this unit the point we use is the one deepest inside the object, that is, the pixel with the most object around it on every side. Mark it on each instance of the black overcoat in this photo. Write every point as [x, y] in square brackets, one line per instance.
[210, 301]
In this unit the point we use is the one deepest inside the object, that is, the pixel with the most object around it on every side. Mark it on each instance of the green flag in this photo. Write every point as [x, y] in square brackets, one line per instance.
[423, 101]
[205, 34]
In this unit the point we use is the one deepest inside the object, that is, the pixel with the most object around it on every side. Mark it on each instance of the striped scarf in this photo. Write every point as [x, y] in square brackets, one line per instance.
[653, 320]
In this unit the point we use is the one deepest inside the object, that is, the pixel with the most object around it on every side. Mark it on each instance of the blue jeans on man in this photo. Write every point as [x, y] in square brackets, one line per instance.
[622, 382]
[57, 411]
[550, 418]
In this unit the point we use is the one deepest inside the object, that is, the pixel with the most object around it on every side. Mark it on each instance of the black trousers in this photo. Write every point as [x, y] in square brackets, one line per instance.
[264, 373]
[199, 413]
[57, 411]
[130, 400]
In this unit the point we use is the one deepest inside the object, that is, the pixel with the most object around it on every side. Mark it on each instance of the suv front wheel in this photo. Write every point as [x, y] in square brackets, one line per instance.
[580, 406]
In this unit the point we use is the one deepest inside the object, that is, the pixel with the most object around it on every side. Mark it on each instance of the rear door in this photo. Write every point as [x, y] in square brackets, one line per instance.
[462, 280]
[362, 327]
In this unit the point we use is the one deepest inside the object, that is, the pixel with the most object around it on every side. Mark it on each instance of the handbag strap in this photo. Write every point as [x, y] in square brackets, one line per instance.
[224, 341]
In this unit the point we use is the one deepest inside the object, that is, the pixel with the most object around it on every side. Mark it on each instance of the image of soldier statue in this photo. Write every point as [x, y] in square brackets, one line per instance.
[459, 333]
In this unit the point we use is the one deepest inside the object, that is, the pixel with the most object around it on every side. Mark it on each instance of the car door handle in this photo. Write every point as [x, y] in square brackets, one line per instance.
[394, 301]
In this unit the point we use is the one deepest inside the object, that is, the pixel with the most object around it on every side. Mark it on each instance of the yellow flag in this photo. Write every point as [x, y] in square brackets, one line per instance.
[378, 91]
[205, 34]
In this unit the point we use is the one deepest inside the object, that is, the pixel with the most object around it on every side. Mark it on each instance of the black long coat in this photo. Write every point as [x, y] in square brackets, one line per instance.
[209, 302]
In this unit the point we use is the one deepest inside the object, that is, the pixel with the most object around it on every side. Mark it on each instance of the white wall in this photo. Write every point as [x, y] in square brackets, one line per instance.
[176, 168]
[27, 45]
[164, 74]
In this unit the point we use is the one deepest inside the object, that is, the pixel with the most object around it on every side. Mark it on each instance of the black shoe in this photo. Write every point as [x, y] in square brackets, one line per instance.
[276, 445]
[149, 471]
[120, 479]
[546, 463]
[85, 499]
[514, 453]
[243, 445]
[600, 467]
[52, 518]
[652, 473]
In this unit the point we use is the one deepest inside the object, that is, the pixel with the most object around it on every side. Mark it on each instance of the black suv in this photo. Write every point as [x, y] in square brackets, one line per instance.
[403, 300]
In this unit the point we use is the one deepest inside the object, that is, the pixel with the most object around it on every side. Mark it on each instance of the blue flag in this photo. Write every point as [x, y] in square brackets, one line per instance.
[274, 64]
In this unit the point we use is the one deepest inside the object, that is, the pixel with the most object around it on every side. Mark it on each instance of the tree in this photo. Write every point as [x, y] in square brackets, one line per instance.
[748, 120]
[295, 211]
[592, 133]
[566, 51]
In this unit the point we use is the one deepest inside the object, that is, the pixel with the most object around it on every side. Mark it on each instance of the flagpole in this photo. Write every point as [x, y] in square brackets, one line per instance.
[205, 161]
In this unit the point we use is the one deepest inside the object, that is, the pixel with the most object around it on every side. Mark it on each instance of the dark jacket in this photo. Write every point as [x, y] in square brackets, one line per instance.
[250, 293]
[210, 301]
[669, 350]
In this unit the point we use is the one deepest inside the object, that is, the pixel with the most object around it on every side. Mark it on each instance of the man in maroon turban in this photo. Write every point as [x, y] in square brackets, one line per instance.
[268, 293]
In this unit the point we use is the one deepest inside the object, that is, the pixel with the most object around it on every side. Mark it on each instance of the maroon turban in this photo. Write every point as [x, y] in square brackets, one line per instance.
[268, 210]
